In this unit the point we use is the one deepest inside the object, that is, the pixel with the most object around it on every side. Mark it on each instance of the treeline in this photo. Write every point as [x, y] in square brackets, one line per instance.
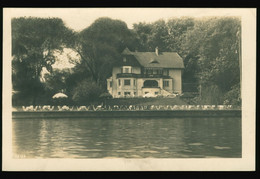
[209, 47]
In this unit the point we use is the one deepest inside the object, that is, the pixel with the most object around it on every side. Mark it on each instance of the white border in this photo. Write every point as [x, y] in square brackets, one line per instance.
[246, 163]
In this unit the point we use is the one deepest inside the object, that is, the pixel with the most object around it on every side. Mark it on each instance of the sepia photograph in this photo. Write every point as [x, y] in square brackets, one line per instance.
[129, 89]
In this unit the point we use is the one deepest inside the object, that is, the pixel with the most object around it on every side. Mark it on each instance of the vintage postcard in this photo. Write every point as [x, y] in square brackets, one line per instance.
[129, 89]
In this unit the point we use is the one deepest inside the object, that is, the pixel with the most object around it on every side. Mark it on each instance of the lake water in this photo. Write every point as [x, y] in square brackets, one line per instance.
[127, 138]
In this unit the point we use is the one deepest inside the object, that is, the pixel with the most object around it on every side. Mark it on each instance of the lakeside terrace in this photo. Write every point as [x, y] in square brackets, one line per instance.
[126, 111]
[127, 108]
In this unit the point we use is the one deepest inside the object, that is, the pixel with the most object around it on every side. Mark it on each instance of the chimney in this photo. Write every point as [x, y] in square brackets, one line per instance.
[157, 51]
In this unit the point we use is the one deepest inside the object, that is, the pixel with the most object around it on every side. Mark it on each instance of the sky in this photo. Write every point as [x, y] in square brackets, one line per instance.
[80, 18]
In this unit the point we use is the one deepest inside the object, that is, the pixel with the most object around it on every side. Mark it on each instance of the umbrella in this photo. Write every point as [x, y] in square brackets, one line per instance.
[59, 95]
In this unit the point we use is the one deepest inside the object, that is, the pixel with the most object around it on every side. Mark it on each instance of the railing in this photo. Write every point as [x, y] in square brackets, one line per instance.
[125, 75]
[147, 86]
[154, 76]
[126, 107]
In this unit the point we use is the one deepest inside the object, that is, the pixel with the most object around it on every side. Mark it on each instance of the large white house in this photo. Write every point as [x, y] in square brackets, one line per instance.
[146, 73]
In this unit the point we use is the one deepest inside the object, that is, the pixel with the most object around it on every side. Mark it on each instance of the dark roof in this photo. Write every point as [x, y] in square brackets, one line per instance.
[163, 60]
[128, 60]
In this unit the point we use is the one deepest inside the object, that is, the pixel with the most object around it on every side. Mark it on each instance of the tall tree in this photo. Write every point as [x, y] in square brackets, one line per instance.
[143, 31]
[56, 81]
[34, 41]
[214, 41]
[152, 35]
[177, 30]
[159, 35]
[100, 46]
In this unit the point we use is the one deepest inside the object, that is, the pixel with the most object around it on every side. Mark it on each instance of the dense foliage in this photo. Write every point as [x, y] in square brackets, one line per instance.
[34, 41]
[209, 47]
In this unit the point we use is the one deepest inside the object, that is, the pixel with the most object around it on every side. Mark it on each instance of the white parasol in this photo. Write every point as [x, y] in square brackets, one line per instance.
[59, 95]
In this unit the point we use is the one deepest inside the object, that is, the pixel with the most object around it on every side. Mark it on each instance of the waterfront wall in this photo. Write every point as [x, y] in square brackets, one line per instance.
[125, 114]
[125, 107]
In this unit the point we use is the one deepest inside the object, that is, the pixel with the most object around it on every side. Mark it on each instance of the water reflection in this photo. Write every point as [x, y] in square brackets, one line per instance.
[128, 138]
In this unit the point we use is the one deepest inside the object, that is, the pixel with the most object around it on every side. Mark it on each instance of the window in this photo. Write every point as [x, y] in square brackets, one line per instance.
[134, 82]
[110, 83]
[156, 92]
[127, 82]
[151, 71]
[154, 61]
[134, 93]
[127, 69]
[119, 82]
[146, 92]
[119, 93]
[127, 93]
[165, 83]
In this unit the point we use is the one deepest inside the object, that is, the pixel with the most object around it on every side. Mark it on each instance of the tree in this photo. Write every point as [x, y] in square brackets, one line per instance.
[56, 81]
[143, 32]
[34, 41]
[100, 46]
[152, 35]
[233, 96]
[214, 41]
[177, 30]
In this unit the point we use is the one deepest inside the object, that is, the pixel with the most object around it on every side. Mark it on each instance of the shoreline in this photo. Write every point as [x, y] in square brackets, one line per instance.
[126, 114]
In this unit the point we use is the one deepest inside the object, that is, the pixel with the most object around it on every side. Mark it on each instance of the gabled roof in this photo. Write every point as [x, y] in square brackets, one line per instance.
[128, 60]
[163, 60]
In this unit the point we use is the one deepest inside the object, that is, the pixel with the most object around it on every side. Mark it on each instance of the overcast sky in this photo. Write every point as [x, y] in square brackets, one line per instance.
[80, 18]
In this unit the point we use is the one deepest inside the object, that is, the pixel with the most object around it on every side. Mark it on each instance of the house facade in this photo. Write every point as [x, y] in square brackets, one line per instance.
[146, 74]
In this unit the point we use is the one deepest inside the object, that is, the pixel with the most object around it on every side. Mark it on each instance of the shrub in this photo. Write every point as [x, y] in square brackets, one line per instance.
[86, 91]
[233, 96]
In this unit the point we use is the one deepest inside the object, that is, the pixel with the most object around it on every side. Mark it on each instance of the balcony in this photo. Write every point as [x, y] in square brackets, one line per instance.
[154, 76]
[151, 87]
[127, 75]
[133, 75]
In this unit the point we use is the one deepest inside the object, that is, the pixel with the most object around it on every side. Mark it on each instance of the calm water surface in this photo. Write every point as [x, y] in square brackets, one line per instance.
[127, 138]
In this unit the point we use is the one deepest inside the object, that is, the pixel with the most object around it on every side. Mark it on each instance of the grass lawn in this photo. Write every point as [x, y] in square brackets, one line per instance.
[146, 101]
